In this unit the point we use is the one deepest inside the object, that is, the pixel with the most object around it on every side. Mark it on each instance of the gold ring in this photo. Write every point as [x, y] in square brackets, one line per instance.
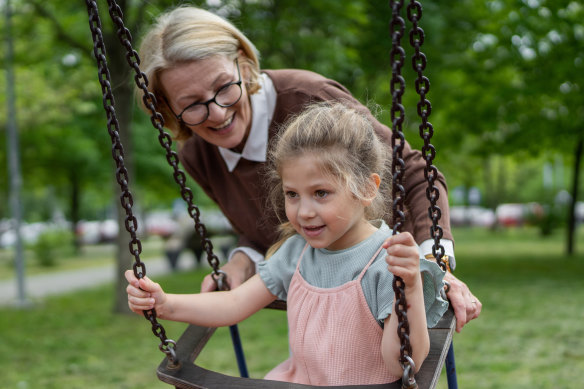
[473, 302]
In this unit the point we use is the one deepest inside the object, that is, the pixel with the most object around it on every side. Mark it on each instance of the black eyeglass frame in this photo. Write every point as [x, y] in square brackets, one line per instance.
[213, 100]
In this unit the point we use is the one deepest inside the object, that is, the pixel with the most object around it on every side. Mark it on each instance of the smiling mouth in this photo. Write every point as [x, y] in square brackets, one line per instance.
[313, 230]
[225, 124]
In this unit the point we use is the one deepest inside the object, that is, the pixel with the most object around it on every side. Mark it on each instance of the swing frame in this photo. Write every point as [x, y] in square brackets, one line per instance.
[179, 368]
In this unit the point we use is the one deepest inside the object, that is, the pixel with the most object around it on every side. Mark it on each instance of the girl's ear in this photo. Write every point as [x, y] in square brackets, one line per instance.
[376, 179]
[372, 188]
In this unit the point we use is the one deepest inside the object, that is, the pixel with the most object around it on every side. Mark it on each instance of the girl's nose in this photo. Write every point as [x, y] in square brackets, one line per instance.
[306, 210]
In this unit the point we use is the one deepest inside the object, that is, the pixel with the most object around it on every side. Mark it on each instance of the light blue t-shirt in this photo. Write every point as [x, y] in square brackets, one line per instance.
[328, 269]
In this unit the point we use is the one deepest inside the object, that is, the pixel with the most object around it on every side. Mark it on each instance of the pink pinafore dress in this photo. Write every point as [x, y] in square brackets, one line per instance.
[334, 338]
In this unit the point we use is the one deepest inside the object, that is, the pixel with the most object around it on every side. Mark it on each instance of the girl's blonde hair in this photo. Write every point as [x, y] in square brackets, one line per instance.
[346, 148]
[187, 34]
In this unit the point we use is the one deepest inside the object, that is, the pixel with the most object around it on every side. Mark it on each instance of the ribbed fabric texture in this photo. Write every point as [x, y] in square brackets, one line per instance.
[334, 338]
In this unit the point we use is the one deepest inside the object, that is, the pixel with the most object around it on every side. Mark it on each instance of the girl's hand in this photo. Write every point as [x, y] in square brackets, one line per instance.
[403, 258]
[238, 270]
[144, 294]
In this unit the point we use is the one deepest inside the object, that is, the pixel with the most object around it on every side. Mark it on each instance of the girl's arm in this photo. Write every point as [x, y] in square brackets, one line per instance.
[215, 309]
[404, 261]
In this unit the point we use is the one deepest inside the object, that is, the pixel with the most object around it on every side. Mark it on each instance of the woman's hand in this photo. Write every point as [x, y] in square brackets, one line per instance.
[144, 294]
[237, 270]
[466, 306]
[403, 258]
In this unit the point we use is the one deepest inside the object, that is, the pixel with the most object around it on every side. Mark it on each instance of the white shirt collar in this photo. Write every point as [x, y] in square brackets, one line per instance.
[263, 104]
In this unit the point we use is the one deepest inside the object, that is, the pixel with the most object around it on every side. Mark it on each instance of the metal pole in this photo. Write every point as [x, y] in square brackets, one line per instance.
[13, 158]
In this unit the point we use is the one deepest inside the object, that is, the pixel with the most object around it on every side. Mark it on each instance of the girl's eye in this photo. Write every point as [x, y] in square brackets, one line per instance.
[320, 193]
[291, 194]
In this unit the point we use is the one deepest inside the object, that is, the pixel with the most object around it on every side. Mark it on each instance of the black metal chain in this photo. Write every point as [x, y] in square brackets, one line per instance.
[424, 109]
[165, 140]
[397, 27]
[167, 346]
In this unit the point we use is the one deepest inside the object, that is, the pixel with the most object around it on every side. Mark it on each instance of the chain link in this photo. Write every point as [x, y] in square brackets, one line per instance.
[397, 27]
[424, 109]
[164, 138]
[166, 345]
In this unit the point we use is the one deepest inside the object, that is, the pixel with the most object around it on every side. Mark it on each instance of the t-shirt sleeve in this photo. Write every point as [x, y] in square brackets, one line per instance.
[435, 305]
[433, 278]
[277, 271]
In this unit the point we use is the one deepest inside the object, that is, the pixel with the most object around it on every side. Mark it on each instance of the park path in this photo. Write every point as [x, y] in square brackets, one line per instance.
[43, 285]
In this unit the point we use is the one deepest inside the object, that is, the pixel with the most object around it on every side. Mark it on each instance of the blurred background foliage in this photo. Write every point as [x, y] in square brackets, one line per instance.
[505, 91]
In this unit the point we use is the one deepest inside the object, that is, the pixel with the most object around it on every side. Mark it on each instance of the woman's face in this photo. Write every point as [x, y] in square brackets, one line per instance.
[199, 81]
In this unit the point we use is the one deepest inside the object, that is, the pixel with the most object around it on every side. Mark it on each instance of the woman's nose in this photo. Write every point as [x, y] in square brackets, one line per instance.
[216, 113]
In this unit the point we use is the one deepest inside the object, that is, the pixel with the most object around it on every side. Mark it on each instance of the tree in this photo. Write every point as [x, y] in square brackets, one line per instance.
[515, 76]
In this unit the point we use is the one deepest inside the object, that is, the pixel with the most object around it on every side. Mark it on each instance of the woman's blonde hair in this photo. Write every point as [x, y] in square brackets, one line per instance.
[346, 147]
[187, 34]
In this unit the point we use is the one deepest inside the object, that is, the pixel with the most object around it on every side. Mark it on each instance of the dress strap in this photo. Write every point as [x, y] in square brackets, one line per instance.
[369, 263]
[301, 255]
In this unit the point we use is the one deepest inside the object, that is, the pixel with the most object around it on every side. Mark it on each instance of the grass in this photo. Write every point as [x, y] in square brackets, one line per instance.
[529, 335]
[90, 256]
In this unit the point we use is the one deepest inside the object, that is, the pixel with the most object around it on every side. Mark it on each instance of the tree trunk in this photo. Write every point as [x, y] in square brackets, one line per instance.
[124, 99]
[572, 207]
[75, 204]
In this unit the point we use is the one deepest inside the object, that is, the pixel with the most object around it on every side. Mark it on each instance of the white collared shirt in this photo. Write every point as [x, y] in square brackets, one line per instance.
[263, 104]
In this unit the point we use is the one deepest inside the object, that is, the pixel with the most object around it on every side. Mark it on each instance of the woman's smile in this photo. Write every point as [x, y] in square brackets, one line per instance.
[225, 126]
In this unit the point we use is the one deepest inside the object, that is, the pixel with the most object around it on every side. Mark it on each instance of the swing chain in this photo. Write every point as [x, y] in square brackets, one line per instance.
[165, 141]
[397, 27]
[408, 379]
[424, 109]
[131, 224]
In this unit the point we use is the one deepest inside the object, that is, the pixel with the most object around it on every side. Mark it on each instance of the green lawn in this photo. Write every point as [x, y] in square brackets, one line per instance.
[89, 256]
[530, 334]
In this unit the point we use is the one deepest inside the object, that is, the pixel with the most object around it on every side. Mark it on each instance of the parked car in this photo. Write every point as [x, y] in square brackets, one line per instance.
[472, 215]
[96, 231]
[29, 232]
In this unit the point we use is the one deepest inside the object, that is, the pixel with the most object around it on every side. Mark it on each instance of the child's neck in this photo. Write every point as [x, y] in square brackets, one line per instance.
[363, 232]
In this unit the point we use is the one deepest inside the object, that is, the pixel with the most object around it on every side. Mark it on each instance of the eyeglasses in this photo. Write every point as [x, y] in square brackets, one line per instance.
[197, 113]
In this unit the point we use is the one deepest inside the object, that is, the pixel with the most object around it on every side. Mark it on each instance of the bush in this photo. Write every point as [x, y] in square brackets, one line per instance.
[51, 244]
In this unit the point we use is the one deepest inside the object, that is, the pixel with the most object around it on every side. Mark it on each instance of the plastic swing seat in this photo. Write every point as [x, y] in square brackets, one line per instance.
[187, 374]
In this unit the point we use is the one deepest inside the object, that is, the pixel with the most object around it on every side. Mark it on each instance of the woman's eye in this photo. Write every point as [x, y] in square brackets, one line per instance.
[291, 194]
[320, 193]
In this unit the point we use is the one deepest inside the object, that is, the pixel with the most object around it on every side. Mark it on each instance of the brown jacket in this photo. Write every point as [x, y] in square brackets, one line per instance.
[241, 194]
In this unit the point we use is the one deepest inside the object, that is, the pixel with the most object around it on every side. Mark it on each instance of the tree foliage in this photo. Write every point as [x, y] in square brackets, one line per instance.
[506, 79]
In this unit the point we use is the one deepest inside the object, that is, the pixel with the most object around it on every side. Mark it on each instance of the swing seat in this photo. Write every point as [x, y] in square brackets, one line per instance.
[188, 375]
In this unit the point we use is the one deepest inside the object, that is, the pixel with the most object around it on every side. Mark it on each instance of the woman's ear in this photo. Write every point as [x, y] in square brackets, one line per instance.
[243, 64]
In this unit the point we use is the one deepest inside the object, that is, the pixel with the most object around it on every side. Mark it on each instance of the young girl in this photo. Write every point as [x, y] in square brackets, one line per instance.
[336, 270]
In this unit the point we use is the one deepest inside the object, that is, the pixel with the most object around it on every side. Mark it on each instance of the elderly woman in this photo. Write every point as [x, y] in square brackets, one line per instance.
[224, 111]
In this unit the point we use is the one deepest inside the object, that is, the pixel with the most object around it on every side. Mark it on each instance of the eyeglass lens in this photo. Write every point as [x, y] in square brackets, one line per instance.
[227, 96]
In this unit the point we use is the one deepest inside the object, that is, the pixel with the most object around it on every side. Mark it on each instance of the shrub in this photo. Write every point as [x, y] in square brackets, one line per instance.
[50, 245]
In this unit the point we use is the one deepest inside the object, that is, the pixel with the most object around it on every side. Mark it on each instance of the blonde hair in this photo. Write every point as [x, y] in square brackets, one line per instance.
[346, 147]
[187, 34]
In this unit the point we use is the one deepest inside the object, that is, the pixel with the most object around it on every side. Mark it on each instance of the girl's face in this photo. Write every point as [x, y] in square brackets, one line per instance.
[326, 214]
[199, 81]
